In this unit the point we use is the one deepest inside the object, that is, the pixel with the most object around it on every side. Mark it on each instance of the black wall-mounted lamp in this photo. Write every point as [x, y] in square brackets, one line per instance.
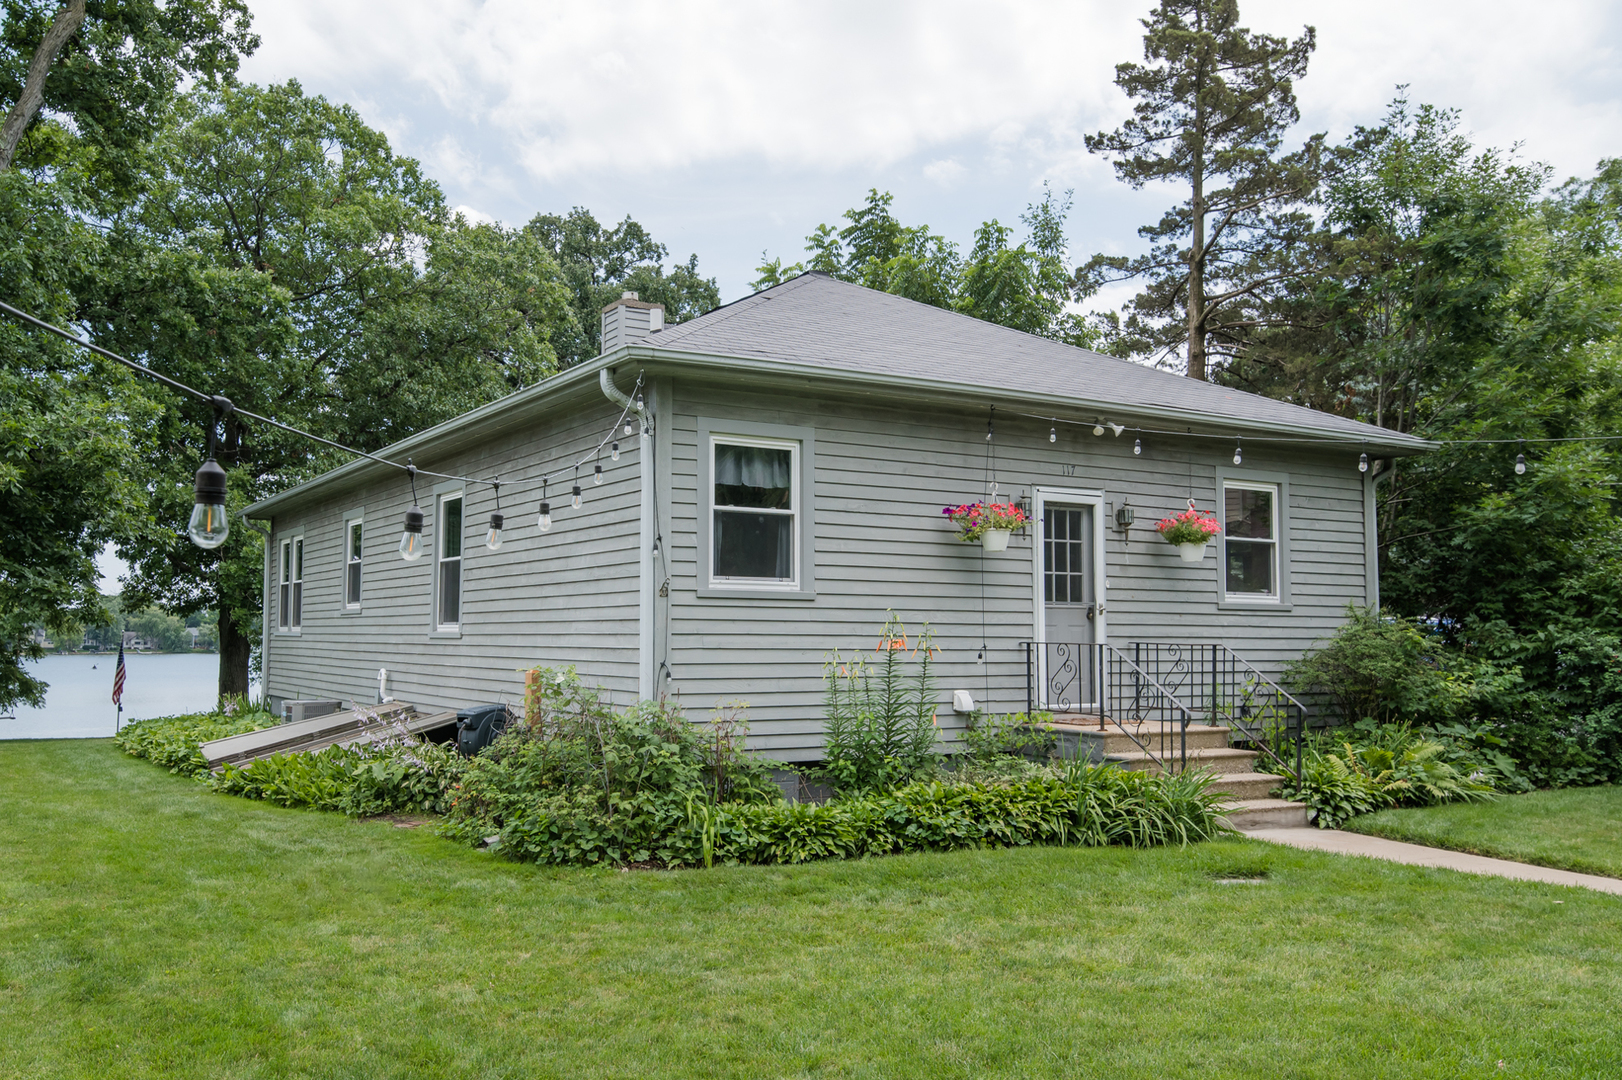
[1124, 517]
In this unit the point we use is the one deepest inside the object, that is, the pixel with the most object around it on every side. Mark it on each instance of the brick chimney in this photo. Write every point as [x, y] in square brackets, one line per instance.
[628, 320]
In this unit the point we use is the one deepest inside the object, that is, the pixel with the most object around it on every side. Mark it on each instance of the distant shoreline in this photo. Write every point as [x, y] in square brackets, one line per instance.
[141, 652]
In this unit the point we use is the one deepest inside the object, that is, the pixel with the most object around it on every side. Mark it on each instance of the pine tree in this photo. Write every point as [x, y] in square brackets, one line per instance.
[1212, 104]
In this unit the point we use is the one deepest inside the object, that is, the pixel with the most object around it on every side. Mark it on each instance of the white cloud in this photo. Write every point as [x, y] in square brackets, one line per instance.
[726, 127]
[474, 217]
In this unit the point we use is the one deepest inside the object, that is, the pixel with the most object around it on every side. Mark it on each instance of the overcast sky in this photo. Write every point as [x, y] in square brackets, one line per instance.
[728, 128]
[732, 128]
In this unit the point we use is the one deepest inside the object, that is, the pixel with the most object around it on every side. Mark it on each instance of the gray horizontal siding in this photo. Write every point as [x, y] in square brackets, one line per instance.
[568, 596]
[882, 475]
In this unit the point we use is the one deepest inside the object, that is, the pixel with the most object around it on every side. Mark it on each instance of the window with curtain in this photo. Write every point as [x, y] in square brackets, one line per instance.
[450, 562]
[1250, 525]
[754, 511]
[352, 565]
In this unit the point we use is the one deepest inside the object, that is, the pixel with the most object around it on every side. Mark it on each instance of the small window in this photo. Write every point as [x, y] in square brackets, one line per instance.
[352, 565]
[290, 603]
[755, 511]
[450, 563]
[1250, 513]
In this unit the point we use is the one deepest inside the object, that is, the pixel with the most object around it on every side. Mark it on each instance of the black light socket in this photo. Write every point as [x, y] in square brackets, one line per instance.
[413, 520]
[496, 521]
[210, 484]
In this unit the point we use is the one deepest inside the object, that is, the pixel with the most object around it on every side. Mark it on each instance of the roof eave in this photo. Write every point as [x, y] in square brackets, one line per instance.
[562, 381]
[1384, 443]
[1377, 439]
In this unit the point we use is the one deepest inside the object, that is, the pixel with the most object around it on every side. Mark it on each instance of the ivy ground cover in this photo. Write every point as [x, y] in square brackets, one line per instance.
[153, 928]
[1569, 829]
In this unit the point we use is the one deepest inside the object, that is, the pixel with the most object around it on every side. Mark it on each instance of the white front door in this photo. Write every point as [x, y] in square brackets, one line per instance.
[1068, 568]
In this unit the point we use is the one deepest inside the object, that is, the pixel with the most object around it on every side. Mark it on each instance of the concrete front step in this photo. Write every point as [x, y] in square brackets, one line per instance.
[1246, 785]
[1248, 814]
[1213, 759]
[1114, 740]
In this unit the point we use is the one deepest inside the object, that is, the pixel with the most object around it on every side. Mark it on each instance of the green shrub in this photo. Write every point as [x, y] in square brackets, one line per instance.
[173, 741]
[1377, 667]
[361, 781]
[578, 783]
[880, 730]
[990, 736]
[1084, 805]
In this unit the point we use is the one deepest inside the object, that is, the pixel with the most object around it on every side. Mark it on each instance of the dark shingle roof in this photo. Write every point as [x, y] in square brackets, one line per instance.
[818, 321]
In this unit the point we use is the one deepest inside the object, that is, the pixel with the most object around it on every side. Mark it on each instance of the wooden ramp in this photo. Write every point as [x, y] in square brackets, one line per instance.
[319, 732]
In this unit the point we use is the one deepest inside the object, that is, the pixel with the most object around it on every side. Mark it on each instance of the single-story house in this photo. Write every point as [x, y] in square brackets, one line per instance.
[772, 478]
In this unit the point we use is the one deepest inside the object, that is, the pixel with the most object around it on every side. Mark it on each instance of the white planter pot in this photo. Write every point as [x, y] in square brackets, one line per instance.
[1192, 552]
[994, 539]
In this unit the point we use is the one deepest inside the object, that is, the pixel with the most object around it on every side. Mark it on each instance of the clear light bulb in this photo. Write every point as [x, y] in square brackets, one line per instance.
[1520, 464]
[492, 539]
[545, 521]
[597, 476]
[1098, 429]
[574, 499]
[1137, 446]
[655, 547]
[209, 525]
[1363, 463]
[1053, 434]
[1117, 429]
[411, 535]
[614, 454]
[1238, 456]
[627, 427]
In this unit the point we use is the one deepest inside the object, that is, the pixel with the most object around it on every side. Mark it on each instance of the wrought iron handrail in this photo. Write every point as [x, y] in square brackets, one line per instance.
[1107, 678]
[1222, 676]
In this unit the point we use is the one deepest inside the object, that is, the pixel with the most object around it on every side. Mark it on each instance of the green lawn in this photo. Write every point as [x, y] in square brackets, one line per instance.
[1572, 829]
[150, 928]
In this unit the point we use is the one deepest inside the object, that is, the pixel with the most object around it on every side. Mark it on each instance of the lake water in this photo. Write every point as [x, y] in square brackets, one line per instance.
[79, 703]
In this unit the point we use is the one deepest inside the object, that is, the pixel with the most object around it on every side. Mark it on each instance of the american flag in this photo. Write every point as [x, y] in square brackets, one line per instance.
[118, 678]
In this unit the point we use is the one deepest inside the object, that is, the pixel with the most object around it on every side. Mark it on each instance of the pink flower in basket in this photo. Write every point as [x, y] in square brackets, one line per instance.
[1188, 527]
[974, 520]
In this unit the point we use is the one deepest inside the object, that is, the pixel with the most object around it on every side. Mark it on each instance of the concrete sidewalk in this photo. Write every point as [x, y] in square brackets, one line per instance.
[1374, 847]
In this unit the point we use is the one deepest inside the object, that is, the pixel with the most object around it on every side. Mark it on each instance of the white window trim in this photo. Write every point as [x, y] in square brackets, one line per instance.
[793, 513]
[440, 535]
[285, 547]
[352, 519]
[1276, 490]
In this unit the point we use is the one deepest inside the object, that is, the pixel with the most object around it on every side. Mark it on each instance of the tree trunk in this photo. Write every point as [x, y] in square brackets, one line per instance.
[1196, 241]
[63, 27]
[235, 647]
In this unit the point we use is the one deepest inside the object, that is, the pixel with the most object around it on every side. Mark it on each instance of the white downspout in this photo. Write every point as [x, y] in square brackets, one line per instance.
[645, 583]
[264, 615]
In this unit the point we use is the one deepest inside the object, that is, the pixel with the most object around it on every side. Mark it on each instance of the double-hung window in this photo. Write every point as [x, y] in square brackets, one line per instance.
[1251, 540]
[755, 509]
[352, 549]
[290, 602]
[448, 598]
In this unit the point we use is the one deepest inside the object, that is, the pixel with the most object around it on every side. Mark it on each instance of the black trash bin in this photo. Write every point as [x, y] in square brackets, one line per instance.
[477, 726]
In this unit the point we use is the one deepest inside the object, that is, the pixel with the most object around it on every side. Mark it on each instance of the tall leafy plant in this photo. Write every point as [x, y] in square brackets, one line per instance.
[881, 729]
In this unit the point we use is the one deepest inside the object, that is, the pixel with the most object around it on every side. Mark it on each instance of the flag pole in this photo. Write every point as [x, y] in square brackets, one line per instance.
[118, 690]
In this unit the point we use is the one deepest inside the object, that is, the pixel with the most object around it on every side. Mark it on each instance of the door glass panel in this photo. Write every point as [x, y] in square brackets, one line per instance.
[1064, 556]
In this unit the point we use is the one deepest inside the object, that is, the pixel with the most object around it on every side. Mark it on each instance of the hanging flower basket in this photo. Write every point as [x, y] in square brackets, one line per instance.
[989, 523]
[1189, 532]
